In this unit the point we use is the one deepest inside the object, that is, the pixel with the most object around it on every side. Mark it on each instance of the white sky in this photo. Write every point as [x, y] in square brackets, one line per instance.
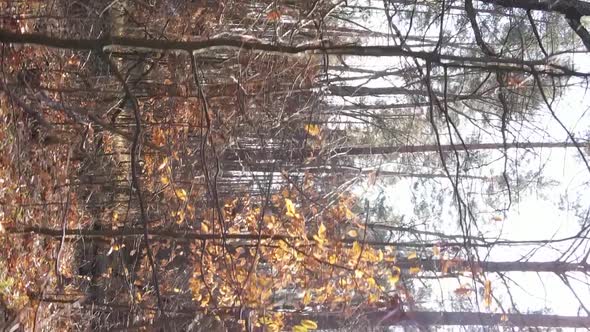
[537, 216]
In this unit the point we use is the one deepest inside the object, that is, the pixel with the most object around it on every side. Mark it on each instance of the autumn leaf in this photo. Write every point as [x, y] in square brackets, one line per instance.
[356, 249]
[273, 15]
[321, 236]
[463, 290]
[290, 208]
[393, 279]
[414, 270]
[309, 324]
[352, 233]
[322, 231]
[163, 164]
[312, 129]
[412, 255]
[487, 294]
[299, 328]
[332, 259]
[164, 179]
[181, 194]
[306, 298]
[159, 137]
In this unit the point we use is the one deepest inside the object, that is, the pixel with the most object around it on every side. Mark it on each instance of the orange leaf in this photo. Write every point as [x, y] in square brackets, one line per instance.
[464, 290]
[273, 15]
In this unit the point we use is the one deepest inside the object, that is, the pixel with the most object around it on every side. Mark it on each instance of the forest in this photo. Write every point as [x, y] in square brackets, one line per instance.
[294, 165]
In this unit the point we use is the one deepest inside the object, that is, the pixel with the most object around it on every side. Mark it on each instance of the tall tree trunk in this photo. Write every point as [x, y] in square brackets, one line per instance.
[260, 155]
[462, 265]
[428, 318]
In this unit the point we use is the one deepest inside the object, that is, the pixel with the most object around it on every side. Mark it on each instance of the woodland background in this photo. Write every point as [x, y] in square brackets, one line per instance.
[172, 165]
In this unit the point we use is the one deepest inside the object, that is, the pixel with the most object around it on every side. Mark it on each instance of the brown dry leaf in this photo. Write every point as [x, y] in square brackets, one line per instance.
[273, 15]
[464, 290]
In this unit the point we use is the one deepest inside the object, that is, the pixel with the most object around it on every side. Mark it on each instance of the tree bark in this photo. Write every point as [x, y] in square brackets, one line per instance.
[562, 6]
[427, 318]
[300, 154]
[462, 265]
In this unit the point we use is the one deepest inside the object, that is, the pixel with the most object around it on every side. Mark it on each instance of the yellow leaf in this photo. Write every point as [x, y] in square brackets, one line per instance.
[284, 246]
[352, 233]
[290, 207]
[487, 294]
[322, 231]
[204, 228]
[358, 273]
[332, 259]
[312, 129]
[379, 256]
[299, 328]
[356, 248]
[164, 180]
[181, 194]
[319, 241]
[265, 320]
[163, 164]
[414, 270]
[393, 279]
[412, 255]
[306, 298]
[373, 298]
[349, 214]
[309, 324]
